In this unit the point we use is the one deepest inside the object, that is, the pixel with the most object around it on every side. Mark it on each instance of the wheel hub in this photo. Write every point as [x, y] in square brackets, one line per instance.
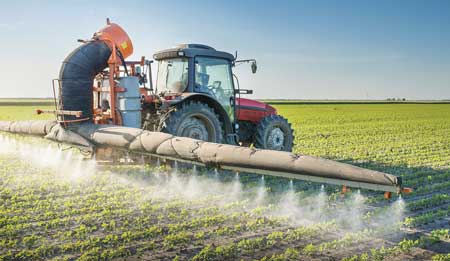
[275, 140]
[193, 128]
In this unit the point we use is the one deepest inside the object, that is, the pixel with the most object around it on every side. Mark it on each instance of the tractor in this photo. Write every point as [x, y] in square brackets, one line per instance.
[197, 95]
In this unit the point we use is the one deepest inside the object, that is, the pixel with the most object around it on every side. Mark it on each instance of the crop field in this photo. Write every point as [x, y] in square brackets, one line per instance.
[56, 205]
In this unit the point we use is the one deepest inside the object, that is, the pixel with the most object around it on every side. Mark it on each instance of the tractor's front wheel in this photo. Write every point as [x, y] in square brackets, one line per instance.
[274, 132]
[194, 120]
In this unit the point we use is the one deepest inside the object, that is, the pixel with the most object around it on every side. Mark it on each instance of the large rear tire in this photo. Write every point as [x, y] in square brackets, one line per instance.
[194, 120]
[274, 132]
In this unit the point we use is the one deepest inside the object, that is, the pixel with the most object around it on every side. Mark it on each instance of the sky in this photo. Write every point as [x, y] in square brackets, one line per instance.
[305, 49]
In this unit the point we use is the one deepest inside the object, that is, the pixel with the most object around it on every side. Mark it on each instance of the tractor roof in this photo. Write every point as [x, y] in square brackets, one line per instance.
[192, 50]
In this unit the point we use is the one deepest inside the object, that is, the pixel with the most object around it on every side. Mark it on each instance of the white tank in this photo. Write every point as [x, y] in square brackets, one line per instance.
[129, 102]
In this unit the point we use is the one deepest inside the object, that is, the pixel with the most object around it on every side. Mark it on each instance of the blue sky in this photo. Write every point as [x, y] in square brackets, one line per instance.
[305, 49]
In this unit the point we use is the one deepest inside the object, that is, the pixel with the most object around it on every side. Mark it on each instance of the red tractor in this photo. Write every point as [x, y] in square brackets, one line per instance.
[198, 96]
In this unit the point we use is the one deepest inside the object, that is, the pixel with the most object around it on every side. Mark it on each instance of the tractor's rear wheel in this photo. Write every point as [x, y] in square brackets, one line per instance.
[194, 120]
[274, 132]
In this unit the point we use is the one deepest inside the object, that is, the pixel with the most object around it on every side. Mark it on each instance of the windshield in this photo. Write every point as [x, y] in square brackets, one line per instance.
[172, 75]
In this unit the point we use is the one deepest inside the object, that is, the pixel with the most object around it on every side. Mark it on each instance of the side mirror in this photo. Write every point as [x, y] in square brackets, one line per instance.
[254, 67]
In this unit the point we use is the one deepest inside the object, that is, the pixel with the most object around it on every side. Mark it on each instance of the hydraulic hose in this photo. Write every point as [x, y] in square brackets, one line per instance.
[122, 60]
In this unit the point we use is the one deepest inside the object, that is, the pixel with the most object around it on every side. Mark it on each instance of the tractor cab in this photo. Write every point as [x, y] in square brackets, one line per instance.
[197, 69]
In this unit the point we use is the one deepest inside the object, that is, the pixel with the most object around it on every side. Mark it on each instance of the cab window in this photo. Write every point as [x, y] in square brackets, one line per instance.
[213, 77]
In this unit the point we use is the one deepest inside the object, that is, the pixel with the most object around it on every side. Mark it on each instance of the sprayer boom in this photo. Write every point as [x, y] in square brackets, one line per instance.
[220, 156]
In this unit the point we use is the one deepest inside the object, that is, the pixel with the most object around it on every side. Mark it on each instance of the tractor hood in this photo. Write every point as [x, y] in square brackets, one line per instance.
[253, 111]
[250, 104]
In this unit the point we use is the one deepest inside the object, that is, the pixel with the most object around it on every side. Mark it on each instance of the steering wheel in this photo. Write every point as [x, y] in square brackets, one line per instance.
[216, 89]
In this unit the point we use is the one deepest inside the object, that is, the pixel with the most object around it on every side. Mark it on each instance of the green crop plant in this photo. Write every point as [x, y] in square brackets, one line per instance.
[441, 257]
[120, 211]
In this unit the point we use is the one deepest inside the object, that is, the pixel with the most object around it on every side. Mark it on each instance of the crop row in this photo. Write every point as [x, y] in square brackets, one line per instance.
[249, 246]
[427, 217]
[170, 240]
[404, 246]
